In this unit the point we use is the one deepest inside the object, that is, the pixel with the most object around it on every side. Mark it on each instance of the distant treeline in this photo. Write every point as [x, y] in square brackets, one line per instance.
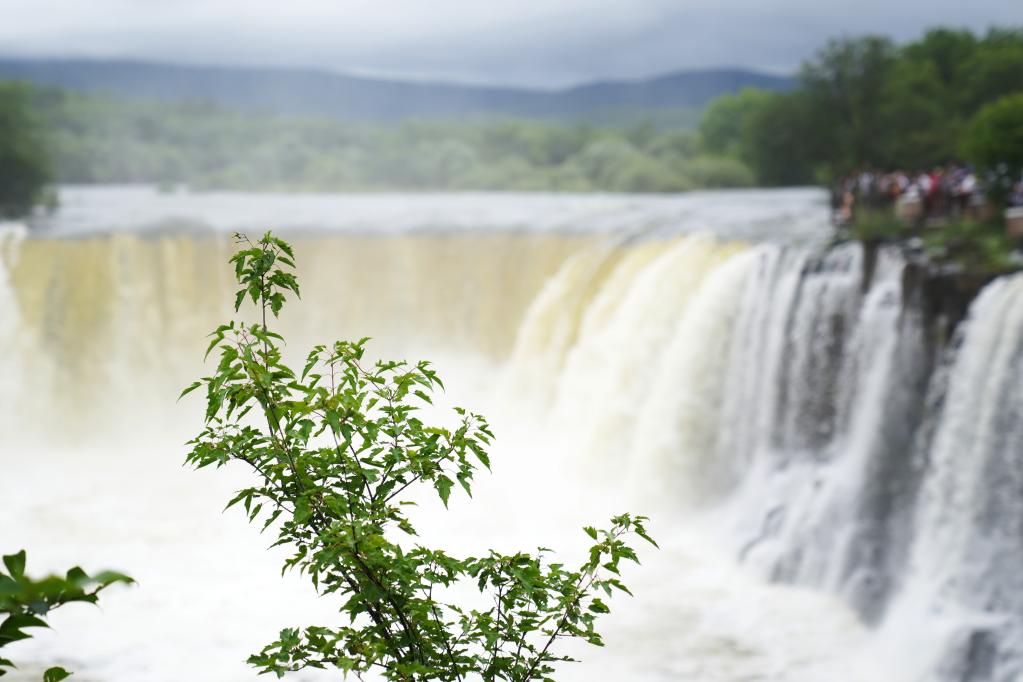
[96, 139]
[867, 103]
[25, 169]
[859, 103]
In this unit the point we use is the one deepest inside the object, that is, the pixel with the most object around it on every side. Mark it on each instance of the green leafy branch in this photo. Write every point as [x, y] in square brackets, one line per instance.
[337, 450]
[26, 601]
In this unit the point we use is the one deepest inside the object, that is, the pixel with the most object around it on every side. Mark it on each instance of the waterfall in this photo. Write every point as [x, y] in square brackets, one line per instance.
[120, 319]
[679, 418]
[812, 506]
[752, 377]
[798, 404]
[796, 393]
[12, 372]
[628, 328]
[969, 545]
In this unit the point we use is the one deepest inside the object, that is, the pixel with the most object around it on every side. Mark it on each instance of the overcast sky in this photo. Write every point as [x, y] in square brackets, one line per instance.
[512, 42]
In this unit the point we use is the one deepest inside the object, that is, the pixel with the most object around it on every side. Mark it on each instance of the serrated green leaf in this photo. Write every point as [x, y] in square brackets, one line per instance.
[15, 564]
[443, 485]
[55, 674]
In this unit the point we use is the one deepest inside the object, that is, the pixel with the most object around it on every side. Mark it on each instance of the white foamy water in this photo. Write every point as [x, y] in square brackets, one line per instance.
[735, 213]
[771, 404]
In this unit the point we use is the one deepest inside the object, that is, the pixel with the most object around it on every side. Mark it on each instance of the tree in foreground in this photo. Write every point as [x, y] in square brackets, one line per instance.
[25, 601]
[338, 451]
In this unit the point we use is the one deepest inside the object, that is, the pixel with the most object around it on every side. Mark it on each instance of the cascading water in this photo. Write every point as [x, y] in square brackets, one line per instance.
[788, 412]
[792, 405]
[820, 405]
[11, 373]
[672, 450]
[629, 327]
[969, 524]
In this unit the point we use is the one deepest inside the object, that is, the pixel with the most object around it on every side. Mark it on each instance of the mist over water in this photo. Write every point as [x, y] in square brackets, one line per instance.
[831, 486]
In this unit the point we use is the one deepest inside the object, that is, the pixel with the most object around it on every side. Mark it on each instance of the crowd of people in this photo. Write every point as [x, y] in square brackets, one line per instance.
[1016, 198]
[952, 191]
[945, 191]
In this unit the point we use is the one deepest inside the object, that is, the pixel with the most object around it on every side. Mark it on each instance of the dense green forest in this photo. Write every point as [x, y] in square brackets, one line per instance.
[204, 145]
[24, 162]
[862, 102]
[866, 102]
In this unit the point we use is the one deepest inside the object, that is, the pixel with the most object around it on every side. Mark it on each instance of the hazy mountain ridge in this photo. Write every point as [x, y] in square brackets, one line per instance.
[308, 91]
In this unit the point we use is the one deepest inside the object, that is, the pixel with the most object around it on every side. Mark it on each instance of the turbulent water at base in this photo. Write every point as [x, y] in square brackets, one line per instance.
[838, 488]
[792, 399]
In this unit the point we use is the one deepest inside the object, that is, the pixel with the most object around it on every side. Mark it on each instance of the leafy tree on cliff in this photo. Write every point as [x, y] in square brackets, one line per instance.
[725, 118]
[918, 128]
[845, 86]
[863, 102]
[995, 141]
[994, 70]
[776, 142]
[946, 50]
[24, 164]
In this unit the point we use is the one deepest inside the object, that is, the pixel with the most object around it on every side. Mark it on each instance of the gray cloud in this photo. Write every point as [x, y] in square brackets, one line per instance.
[533, 42]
